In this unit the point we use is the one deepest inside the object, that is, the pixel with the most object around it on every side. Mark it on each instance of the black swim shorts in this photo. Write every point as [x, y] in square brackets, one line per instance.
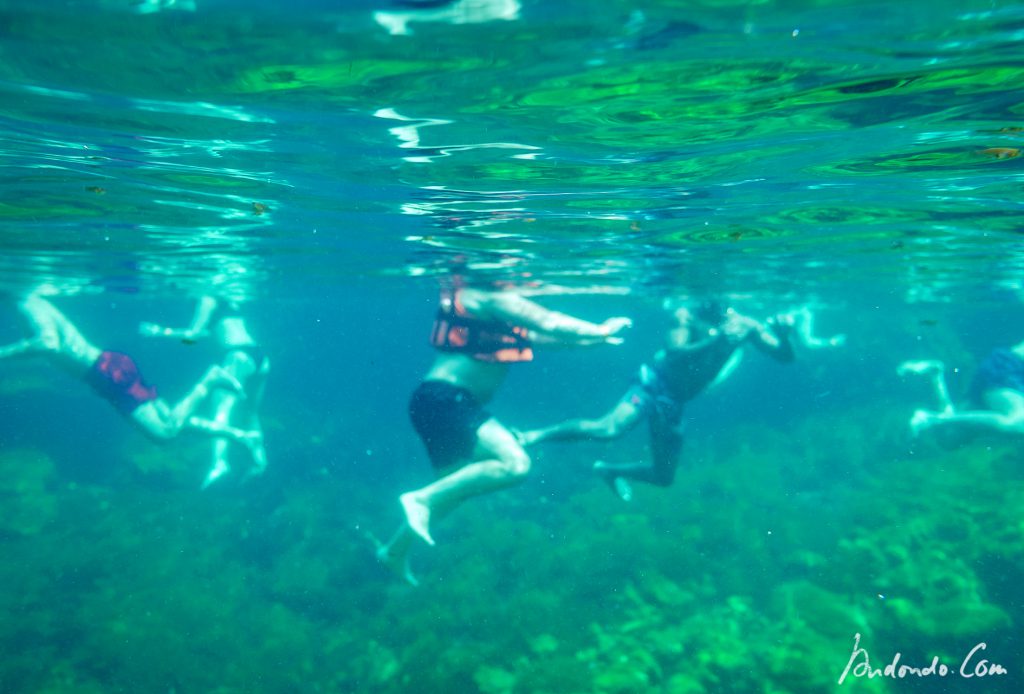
[446, 417]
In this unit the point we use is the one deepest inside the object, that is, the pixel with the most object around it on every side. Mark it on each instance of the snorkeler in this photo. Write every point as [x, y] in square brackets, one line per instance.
[700, 350]
[115, 377]
[996, 395]
[245, 361]
[477, 334]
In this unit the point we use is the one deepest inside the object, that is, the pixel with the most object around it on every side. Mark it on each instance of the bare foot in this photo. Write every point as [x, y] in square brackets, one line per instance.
[399, 565]
[396, 561]
[219, 469]
[417, 515]
[259, 460]
[252, 439]
[622, 488]
[922, 420]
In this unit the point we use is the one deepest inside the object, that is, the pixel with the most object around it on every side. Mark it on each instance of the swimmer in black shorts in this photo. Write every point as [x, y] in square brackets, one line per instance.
[477, 334]
[700, 350]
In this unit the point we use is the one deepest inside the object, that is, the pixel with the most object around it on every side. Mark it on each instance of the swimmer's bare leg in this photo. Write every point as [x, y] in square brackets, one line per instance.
[255, 442]
[54, 333]
[395, 554]
[611, 425]
[219, 468]
[1006, 415]
[214, 428]
[417, 512]
[500, 462]
[936, 371]
[922, 420]
[33, 345]
[224, 433]
[225, 403]
[215, 377]
[620, 485]
[251, 428]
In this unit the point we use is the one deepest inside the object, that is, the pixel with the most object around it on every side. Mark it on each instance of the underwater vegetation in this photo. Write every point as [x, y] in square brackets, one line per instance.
[753, 573]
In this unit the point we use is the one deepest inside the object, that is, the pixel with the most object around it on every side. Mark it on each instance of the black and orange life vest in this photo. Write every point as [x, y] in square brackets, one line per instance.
[484, 340]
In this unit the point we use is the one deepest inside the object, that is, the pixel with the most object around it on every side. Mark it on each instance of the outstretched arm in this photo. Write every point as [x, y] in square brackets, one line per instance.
[803, 329]
[513, 308]
[197, 328]
[773, 338]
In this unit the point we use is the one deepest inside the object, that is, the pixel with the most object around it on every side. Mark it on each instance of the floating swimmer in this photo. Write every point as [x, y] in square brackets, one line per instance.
[702, 349]
[995, 398]
[116, 378]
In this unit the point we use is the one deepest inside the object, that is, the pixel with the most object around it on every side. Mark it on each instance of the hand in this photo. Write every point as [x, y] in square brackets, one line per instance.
[150, 329]
[736, 326]
[782, 324]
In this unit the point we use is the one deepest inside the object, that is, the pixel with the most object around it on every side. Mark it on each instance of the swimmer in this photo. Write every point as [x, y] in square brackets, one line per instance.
[995, 399]
[245, 361]
[478, 334]
[115, 377]
[700, 350]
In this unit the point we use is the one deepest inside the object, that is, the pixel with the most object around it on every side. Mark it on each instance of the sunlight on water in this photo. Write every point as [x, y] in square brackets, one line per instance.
[634, 125]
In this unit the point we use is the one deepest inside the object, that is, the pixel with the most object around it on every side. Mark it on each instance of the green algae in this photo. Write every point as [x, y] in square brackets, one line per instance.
[27, 477]
[642, 598]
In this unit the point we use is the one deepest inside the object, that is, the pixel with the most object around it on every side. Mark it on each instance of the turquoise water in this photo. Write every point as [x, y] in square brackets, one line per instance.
[782, 144]
[326, 164]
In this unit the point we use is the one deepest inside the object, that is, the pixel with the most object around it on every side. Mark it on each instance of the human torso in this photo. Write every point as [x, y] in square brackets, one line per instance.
[457, 330]
[480, 378]
[474, 352]
[687, 370]
[230, 331]
[243, 356]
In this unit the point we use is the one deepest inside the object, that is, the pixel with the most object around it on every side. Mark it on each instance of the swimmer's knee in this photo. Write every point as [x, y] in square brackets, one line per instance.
[1014, 421]
[516, 465]
[158, 425]
[603, 429]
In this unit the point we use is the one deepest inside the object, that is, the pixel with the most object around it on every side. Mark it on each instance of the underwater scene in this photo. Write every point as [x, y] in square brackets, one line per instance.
[511, 346]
